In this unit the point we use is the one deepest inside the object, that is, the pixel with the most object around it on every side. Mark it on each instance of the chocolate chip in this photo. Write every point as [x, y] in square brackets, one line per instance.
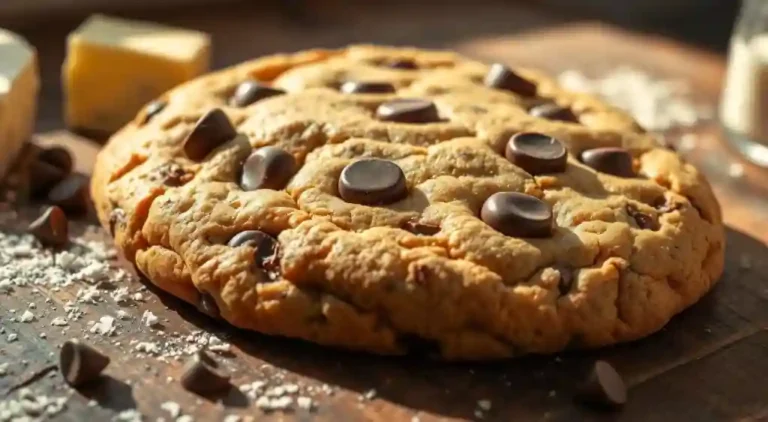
[151, 110]
[517, 214]
[268, 168]
[265, 246]
[604, 387]
[566, 279]
[250, 92]
[81, 363]
[58, 157]
[51, 228]
[537, 153]
[207, 305]
[71, 194]
[425, 229]
[203, 375]
[644, 221]
[408, 110]
[367, 88]
[44, 176]
[210, 132]
[502, 77]
[405, 64]
[372, 181]
[553, 111]
[117, 216]
[610, 160]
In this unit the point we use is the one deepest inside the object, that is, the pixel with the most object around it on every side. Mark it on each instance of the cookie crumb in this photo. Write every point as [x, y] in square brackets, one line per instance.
[149, 319]
[59, 322]
[173, 408]
[27, 316]
[484, 405]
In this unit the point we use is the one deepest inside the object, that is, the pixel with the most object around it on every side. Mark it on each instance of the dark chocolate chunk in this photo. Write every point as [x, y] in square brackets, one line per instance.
[265, 246]
[71, 194]
[644, 221]
[203, 375]
[51, 228]
[268, 168]
[517, 214]
[604, 387]
[250, 92]
[367, 88]
[58, 157]
[210, 132]
[417, 227]
[610, 160]
[81, 363]
[372, 181]
[405, 64]
[553, 111]
[501, 77]
[408, 110]
[537, 153]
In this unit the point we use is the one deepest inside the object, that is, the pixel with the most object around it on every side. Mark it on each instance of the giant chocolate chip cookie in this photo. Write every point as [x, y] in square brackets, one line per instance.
[389, 199]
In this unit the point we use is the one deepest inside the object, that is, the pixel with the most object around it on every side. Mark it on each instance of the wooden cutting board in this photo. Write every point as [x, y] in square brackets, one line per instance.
[708, 364]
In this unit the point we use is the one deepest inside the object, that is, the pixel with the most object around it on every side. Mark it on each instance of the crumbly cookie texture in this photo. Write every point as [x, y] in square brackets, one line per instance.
[422, 270]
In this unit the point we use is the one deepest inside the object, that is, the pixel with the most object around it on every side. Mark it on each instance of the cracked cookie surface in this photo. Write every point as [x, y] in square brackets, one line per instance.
[249, 193]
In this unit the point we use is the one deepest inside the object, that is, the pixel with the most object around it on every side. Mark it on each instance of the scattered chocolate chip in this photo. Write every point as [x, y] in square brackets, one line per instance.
[425, 229]
[44, 176]
[372, 181]
[537, 153]
[58, 157]
[207, 305]
[81, 363]
[268, 168]
[566, 279]
[71, 194]
[517, 214]
[553, 111]
[644, 221]
[367, 88]
[151, 110]
[408, 110]
[603, 387]
[250, 92]
[210, 132]
[117, 216]
[405, 64]
[51, 228]
[502, 77]
[203, 375]
[610, 160]
[265, 246]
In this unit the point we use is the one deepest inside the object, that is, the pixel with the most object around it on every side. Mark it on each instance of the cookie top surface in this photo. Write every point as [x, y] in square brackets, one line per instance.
[386, 199]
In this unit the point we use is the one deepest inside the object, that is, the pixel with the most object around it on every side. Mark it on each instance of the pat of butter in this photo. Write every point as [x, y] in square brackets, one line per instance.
[19, 85]
[115, 66]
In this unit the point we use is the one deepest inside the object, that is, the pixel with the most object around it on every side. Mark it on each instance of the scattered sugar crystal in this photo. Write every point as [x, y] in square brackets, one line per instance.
[128, 415]
[12, 337]
[232, 418]
[147, 347]
[484, 404]
[185, 418]
[304, 402]
[121, 314]
[173, 408]
[27, 316]
[149, 319]
[105, 326]
[4, 369]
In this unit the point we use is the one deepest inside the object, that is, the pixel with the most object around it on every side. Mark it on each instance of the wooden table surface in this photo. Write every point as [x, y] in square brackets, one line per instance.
[708, 364]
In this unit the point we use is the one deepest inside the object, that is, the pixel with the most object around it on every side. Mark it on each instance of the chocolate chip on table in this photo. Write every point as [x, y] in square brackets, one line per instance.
[502, 77]
[210, 132]
[408, 110]
[517, 214]
[417, 227]
[372, 181]
[203, 375]
[252, 91]
[352, 87]
[51, 228]
[604, 387]
[71, 194]
[644, 221]
[81, 363]
[151, 110]
[43, 176]
[537, 153]
[268, 168]
[265, 246]
[405, 64]
[207, 305]
[611, 160]
[58, 157]
[553, 111]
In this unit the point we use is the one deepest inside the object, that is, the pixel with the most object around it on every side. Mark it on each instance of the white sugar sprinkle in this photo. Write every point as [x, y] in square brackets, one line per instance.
[27, 316]
[59, 322]
[149, 319]
[173, 408]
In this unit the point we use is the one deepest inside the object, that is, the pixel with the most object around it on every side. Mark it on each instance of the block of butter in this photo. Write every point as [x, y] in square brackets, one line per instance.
[115, 66]
[19, 85]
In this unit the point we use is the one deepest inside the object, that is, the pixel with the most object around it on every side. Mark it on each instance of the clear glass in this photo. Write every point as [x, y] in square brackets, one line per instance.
[744, 103]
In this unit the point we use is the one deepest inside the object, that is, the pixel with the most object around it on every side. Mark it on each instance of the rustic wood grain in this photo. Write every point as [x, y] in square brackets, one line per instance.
[708, 364]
